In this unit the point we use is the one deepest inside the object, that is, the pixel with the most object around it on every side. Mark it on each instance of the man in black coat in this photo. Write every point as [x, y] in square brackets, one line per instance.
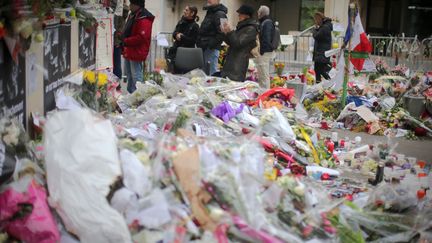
[210, 36]
[323, 42]
[240, 42]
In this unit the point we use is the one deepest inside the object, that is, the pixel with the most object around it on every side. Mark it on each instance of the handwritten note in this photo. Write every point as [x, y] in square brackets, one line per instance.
[104, 44]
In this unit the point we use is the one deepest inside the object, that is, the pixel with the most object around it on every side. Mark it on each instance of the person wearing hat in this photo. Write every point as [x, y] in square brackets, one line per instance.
[136, 39]
[241, 42]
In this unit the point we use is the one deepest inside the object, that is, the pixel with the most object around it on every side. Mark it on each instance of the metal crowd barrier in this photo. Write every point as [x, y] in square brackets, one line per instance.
[401, 50]
[409, 51]
[156, 51]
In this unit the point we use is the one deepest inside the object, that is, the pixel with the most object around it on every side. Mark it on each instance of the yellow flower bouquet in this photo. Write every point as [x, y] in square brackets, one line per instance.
[279, 68]
[94, 92]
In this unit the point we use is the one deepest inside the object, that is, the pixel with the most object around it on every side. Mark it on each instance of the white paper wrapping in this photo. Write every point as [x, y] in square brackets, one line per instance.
[81, 163]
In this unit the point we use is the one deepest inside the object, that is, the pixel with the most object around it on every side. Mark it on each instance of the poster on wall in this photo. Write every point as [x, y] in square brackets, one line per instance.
[57, 60]
[86, 47]
[104, 44]
[13, 86]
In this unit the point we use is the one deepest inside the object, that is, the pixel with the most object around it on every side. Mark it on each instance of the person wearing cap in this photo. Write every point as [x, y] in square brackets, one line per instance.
[241, 41]
[136, 39]
[210, 36]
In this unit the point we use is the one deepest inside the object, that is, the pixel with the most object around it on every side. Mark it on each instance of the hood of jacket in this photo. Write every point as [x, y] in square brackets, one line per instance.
[145, 14]
[247, 22]
[328, 22]
[216, 8]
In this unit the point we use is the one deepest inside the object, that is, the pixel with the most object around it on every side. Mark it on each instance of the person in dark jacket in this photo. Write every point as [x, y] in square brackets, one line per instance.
[241, 42]
[121, 11]
[186, 31]
[136, 41]
[322, 35]
[267, 30]
[210, 36]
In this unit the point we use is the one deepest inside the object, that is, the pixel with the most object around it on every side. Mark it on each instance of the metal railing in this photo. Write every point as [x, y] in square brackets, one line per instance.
[401, 50]
[157, 51]
[408, 51]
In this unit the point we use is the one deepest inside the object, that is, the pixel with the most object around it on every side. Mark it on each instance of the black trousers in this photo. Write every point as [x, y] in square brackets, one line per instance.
[322, 70]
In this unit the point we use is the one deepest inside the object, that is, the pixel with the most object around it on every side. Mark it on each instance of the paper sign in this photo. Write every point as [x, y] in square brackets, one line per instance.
[338, 27]
[162, 40]
[287, 40]
[366, 114]
[104, 44]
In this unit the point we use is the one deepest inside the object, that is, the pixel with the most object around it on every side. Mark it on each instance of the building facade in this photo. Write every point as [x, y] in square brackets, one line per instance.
[292, 15]
[380, 17]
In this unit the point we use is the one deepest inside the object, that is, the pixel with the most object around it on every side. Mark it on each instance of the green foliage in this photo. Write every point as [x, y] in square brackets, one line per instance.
[308, 9]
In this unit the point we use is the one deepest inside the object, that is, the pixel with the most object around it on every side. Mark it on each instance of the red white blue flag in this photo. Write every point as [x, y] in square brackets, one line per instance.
[360, 45]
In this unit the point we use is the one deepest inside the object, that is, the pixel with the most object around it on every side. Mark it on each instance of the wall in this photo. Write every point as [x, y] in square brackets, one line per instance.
[288, 14]
[166, 18]
[337, 9]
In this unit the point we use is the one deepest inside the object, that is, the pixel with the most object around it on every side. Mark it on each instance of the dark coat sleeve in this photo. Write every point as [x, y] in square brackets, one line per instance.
[191, 37]
[236, 40]
[177, 30]
[266, 36]
[220, 36]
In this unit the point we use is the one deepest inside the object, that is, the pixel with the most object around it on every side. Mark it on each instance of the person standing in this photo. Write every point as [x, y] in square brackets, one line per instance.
[121, 10]
[241, 42]
[266, 35]
[323, 42]
[186, 31]
[136, 41]
[210, 36]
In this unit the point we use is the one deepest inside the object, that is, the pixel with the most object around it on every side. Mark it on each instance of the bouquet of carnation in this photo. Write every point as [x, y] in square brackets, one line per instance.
[95, 91]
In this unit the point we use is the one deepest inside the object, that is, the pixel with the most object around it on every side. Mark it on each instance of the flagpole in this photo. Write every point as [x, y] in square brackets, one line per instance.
[347, 60]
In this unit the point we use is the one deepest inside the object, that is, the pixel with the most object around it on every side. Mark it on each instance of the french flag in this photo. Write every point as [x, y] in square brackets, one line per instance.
[359, 43]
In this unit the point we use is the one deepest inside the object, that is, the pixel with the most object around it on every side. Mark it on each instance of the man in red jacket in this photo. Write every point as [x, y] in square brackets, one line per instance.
[136, 42]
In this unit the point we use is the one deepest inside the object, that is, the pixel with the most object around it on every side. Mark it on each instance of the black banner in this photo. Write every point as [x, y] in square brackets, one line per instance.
[12, 85]
[87, 48]
[57, 60]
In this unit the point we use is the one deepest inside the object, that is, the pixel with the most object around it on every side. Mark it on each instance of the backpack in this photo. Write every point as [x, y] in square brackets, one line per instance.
[276, 40]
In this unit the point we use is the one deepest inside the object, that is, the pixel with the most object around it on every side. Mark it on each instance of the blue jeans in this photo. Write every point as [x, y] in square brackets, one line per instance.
[212, 56]
[117, 62]
[134, 72]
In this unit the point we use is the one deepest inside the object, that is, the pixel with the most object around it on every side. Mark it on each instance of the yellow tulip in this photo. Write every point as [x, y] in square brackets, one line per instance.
[102, 79]
[335, 45]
